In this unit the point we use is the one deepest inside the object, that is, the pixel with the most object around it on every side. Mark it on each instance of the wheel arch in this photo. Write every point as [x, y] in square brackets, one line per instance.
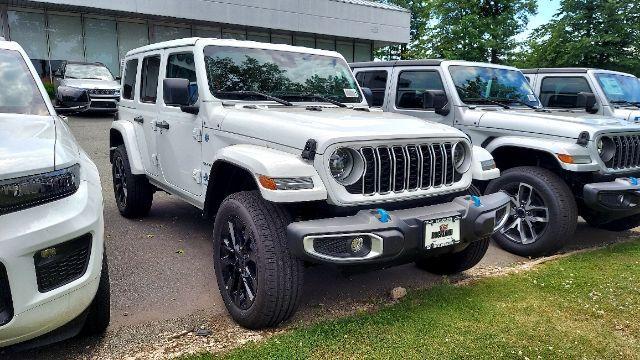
[123, 133]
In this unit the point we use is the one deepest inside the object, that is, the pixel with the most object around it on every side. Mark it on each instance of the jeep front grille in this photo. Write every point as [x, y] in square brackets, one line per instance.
[627, 154]
[6, 304]
[403, 168]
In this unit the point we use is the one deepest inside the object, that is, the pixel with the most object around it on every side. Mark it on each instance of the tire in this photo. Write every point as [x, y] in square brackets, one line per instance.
[618, 225]
[133, 193]
[457, 262]
[259, 279]
[546, 223]
[99, 313]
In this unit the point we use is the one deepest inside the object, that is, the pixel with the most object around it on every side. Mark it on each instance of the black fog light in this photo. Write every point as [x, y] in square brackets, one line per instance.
[618, 200]
[348, 246]
[62, 264]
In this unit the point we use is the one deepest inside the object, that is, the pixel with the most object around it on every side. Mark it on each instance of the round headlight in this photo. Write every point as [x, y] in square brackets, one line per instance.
[460, 158]
[341, 164]
[606, 148]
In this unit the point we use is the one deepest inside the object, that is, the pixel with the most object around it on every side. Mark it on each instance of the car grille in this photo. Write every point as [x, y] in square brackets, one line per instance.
[6, 304]
[405, 168]
[102, 91]
[627, 154]
[61, 264]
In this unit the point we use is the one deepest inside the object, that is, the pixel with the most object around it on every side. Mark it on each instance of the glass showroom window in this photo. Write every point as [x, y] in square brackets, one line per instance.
[166, 33]
[28, 29]
[65, 38]
[207, 32]
[345, 48]
[362, 52]
[130, 36]
[101, 43]
[281, 39]
[304, 41]
[234, 34]
[258, 36]
[325, 44]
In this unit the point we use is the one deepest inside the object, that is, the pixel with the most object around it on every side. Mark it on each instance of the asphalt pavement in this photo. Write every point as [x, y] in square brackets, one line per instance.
[162, 276]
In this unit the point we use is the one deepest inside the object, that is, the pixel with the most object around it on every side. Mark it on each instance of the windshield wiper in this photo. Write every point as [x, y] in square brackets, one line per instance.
[255, 93]
[518, 101]
[317, 97]
[487, 101]
[626, 102]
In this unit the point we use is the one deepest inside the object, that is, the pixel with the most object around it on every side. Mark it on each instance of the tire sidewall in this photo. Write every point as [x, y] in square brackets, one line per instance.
[121, 153]
[553, 236]
[230, 208]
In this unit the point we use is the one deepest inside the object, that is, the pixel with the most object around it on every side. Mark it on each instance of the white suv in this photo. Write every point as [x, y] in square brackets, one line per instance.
[278, 144]
[54, 281]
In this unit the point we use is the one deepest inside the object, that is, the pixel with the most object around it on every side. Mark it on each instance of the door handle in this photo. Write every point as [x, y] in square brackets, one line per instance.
[139, 119]
[162, 125]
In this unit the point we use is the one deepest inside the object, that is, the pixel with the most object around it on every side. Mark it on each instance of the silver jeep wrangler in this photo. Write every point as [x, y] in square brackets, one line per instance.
[277, 143]
[555, 164]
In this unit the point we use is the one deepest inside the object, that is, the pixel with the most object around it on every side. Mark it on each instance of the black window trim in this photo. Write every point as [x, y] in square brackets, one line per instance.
[124, 77]
[544, 77]
[158, 55]
[395, 100]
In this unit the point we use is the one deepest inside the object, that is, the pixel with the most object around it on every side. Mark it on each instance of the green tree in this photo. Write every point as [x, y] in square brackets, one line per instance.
[419, 21]
[589, 33]
[477, 30]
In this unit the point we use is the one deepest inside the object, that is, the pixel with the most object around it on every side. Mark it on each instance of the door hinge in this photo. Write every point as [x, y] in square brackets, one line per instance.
[197, 176]
[154, 160]
[197, 134]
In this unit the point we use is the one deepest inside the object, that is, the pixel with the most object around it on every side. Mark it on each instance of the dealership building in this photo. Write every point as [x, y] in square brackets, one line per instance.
[52, 31]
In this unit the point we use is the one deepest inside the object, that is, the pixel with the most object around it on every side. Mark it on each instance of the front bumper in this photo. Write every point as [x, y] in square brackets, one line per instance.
[26, 233]
[402, 237]
[613, 199]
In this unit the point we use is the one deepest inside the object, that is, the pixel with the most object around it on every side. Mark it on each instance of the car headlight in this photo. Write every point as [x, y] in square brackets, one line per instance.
[33, 190]
[461, 159]
[606, 148]
[346, 166]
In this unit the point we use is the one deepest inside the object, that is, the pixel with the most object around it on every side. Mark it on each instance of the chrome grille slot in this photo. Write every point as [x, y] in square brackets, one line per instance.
[402, 168]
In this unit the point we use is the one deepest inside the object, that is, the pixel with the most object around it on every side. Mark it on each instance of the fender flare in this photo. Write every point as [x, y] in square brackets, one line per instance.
[549, 146]
[260, 160]
[480, 156]
[127, 131]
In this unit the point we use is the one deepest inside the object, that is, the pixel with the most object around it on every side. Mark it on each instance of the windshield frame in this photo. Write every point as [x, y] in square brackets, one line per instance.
[607, 96]
[512, 104]
[37, 87]
[296, 97]
[96, 65]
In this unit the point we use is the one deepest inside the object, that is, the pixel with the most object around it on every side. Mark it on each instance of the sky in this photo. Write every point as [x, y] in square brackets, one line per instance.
[546, 10]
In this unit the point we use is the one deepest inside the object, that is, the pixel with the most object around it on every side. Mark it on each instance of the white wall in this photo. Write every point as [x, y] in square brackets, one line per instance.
[330, 17]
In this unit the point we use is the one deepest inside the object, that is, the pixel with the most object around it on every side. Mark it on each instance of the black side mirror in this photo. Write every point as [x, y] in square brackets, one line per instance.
[71, 100]
[437, 100]
[368, 95]
[118, 78]
[57, 73]
[176, 93]
[588, 101]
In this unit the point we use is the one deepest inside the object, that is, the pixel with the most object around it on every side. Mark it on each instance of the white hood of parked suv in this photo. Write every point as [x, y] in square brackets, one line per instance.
[34, 145]
[293, 126]
[555, 123]
[90, 84]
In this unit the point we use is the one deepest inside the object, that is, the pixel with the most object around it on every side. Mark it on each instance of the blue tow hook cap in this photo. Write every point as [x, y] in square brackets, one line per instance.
[383, 216]
[633, 180]
[476, 200]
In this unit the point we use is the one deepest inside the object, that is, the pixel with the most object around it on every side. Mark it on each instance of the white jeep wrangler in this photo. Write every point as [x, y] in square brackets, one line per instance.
[617, 94]
[556, 164]
[278, 144]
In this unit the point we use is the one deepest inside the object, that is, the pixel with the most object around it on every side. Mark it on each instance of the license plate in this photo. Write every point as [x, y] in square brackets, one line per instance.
[442, 232]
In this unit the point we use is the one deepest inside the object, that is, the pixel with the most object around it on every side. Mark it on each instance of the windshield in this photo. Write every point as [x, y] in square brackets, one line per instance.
[19, 92]
[87, 71]
[287, 75]
[620, 88]
[478, 85]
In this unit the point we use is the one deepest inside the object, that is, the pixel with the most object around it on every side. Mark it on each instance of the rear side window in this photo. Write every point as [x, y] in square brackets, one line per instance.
[19, 93]
[377, 82]
[562, 92]
[130, 74]
[149, 79]
[413, 84]
[182, 66]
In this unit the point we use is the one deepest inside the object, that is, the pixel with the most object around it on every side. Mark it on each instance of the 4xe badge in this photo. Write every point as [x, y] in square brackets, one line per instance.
[444, 232]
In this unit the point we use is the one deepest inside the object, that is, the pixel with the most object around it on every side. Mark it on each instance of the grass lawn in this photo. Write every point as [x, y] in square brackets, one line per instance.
[585, 306]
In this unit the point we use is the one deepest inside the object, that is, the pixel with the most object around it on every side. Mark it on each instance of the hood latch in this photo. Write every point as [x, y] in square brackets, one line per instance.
[309, 152]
